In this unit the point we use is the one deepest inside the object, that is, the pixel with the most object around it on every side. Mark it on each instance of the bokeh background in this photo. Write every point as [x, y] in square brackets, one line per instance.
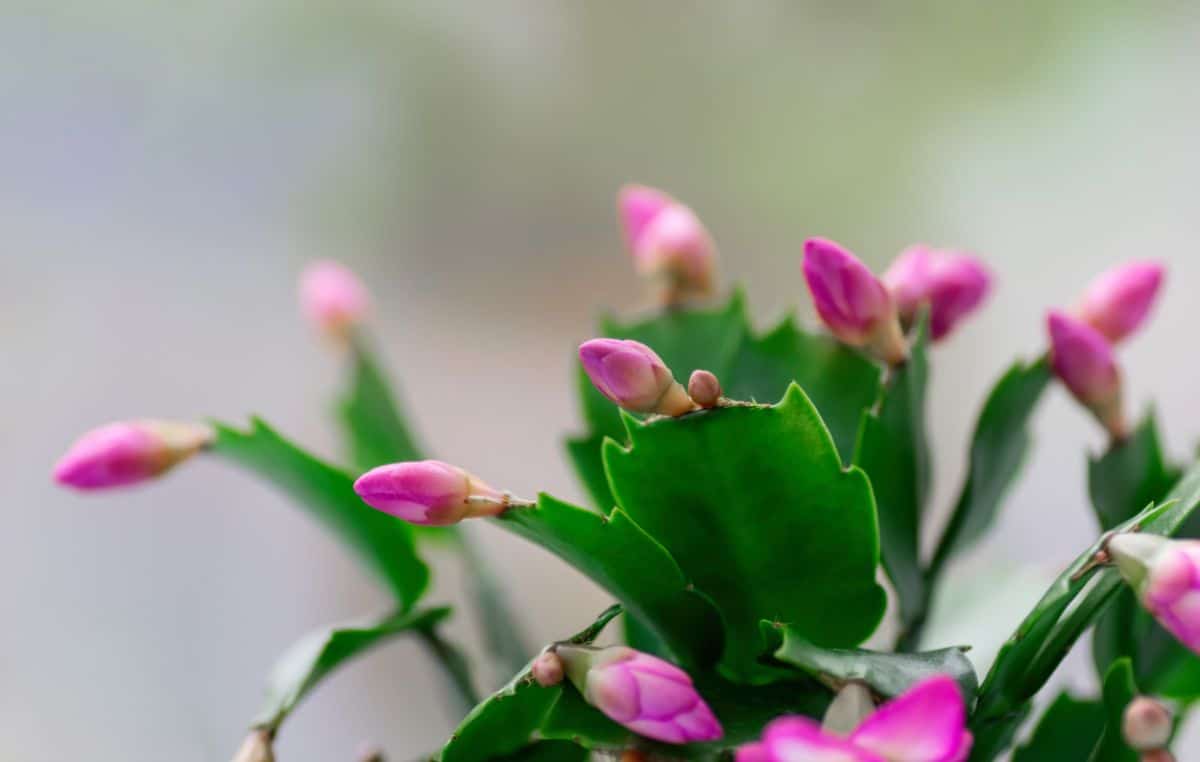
[166, 169]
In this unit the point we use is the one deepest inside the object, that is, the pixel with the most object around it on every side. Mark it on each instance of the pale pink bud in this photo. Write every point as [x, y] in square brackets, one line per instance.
[925, 724]
[630, 374]
[332, 296]
[954, 284]
[1165, 575]
[852, 302]
[129, 452]
[1146, 724]
[547, 669]
[1084, 361]
[668, 241]
[429, 492]
[649, 696]
[704, 388]
[1118, 301]
[256, 748]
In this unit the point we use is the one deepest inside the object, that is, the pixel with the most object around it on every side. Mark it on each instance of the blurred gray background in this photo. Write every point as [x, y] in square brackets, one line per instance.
[166, 169]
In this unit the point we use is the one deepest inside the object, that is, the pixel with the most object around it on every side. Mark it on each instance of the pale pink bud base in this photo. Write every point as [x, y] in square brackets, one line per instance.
[1146, 724]
[548, 669]
[256, 747]
[651, 697]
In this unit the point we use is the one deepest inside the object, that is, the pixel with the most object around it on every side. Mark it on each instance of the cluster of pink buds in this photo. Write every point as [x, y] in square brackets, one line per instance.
[332, 297]
[651, 697]
[129, 452]
[667, 242]
[1165, 575]
[926, 724]
[865, 311]
[432, 493]
[1114, 306]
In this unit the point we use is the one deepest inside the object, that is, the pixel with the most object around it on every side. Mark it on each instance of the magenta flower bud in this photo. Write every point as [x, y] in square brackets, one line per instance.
[926, 724]
[547, 669]
[668, 241]
[952, 283]
[1118, 301]
[704, 388]
[1146, 724]
[852, 302]
[649, 696]
[1165, 575]
[630, 374]
[332, 297]
[1084, 361]
[129, 452]
[429, 492]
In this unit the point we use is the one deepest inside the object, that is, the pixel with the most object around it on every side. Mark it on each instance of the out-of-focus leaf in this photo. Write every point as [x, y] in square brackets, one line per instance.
[1129, 476]
[374, 429]
[888, 674]
[308, 661]
[627, 562]
[1068, 608]
[548, 751]
[327, 493]
[754, 505]
[1119, 690]
[893, 450]
[840, 382]
[998, 448]
[1065, 732]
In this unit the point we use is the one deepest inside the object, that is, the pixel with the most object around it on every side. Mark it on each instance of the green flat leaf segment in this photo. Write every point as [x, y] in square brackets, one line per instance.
[888, 674]
[615, 553]
[1119, 690]
[1064, 732]
[327, 494]
[319, 653]
[998, 448]
[1068, 608]
[374, 429]
[754, 505]
[1130, 475]
[894, 451]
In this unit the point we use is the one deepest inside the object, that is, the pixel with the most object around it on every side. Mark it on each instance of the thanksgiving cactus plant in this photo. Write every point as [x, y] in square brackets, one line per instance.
[757, 499]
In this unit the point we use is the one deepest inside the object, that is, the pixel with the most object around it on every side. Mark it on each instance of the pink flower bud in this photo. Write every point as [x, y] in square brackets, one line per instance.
[1146, 724]
[1084, 361]
[852, 302]
[1118, 301]
[926, 724]
[1165, 575]
[429, 492]
[129, 452]
[954, 284]
[649, 696]
[1157, 755]
[547, 669]
[704, 388]
[667, 240]
[332, 297]
[630, 374]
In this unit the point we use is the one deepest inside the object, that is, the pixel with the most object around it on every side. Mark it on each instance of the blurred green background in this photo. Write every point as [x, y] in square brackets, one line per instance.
[167, 168]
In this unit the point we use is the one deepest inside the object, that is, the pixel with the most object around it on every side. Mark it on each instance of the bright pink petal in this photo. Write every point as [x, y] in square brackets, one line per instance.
[799, 739]
[926, 724]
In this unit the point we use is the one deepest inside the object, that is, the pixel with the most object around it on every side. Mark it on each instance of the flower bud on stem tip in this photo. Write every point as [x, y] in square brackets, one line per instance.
[667, 242]
[1119, 300]
[548, 669]
[854, 304]
[332, 297]
[630, 374]
[1146, 724]
[1083, 359]
[1165, 576]
[704, 388]
[431, 492]
[129, 452]
[256, 747]
[651, 697]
